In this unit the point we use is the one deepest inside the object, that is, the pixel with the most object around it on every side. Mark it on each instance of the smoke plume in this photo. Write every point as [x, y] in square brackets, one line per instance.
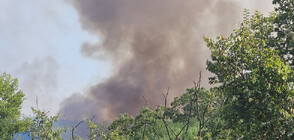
[39, 79]
[152, 44]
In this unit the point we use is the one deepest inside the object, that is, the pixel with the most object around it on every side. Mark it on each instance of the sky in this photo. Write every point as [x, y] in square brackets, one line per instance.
[40, 45]
[41, 42]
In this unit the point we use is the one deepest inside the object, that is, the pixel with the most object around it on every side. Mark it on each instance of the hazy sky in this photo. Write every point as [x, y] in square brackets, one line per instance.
[40, 42]
[40, 45]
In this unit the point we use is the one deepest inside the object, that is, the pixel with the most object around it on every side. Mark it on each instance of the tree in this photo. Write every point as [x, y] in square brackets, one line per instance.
[11, 99]
[96, 131]
[284, 27]
[41, 126]
[121, 128]
[255, 78]
[195, 108]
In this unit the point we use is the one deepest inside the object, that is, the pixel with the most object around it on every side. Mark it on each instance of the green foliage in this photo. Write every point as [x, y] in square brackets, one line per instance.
[167, 122]
[144, 124]
[254, 98]
[42, 126]
[122, 126]
[196, 108]
[255, 80]
[181, 106]
[96, 131]
[11, 99]
[284, 27]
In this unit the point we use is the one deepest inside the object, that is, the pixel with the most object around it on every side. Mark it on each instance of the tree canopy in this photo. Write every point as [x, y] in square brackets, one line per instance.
[11, 99]
[255, 79]
[252, 93]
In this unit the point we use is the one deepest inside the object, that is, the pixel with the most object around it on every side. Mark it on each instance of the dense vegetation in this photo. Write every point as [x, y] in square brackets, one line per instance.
[252, 95]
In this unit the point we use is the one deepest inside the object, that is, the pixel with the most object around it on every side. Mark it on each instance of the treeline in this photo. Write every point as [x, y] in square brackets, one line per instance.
[252, 95]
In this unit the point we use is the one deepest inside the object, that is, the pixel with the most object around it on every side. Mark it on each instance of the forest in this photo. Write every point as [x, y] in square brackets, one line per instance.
[251, 94]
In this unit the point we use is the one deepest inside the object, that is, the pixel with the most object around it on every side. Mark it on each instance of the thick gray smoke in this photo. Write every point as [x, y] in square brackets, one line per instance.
[152, 44]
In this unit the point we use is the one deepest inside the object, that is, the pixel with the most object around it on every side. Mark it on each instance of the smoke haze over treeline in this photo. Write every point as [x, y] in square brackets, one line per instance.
[152, 44]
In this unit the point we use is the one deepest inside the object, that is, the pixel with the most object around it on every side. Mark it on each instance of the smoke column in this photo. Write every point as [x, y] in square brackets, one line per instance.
[152, 44]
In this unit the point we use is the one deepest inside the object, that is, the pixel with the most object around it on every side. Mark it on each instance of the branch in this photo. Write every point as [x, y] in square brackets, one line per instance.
[166, 125]
[196, 93]
[177, 136]
[165, 98]
[191, 102]
[155, 132]
[92, 118]
[205, 110]
[162, 118]
[147, 103]
[74, 128]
